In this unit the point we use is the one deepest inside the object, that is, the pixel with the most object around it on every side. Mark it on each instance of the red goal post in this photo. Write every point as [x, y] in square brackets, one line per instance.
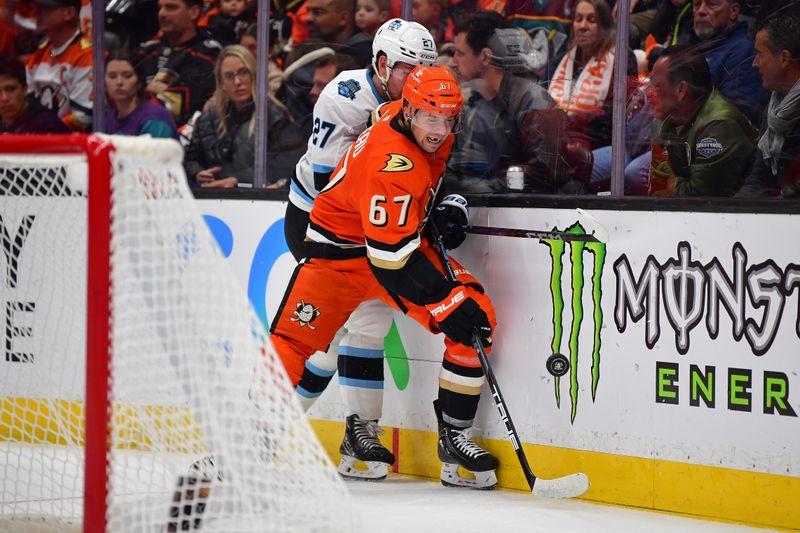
[182, 416]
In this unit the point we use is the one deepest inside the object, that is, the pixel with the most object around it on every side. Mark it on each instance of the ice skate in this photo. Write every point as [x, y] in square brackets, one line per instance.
[361, 443]
[456, 449]
[191, 495]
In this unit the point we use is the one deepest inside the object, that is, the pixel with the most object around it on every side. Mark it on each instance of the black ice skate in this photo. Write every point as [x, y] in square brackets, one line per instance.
[361, 443]
[456, 449]
[191, 495]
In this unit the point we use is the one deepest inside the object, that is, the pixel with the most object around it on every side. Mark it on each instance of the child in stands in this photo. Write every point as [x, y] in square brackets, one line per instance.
[370, 14]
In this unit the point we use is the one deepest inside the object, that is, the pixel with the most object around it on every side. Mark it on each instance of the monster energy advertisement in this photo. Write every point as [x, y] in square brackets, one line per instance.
[575, 280]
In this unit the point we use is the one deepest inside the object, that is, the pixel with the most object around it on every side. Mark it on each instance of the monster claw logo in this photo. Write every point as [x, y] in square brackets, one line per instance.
[575, 275]
[305, 314]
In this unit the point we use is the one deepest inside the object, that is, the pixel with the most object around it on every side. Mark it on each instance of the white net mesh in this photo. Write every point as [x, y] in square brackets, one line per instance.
[206, 432]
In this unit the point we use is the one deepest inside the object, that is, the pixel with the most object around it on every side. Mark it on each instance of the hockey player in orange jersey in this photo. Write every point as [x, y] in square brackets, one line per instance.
[367, 240]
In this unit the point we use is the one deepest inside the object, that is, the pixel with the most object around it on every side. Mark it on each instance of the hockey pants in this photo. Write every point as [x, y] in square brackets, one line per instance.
[356, 350]
[323, 293]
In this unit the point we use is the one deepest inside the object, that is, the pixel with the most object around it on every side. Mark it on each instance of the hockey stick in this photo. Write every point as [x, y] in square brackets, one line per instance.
[561, 487]
[598, 232]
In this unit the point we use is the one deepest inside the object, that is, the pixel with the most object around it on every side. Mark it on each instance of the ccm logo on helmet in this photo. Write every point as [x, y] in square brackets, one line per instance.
[442, 308]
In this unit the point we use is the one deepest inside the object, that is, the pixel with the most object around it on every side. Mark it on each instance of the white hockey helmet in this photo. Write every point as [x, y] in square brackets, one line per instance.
[400, 40]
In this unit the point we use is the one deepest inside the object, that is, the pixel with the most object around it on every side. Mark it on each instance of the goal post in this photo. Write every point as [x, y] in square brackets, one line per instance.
[139, 390]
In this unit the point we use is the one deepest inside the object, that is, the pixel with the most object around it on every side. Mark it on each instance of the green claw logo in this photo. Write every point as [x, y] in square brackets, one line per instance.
[577, 252]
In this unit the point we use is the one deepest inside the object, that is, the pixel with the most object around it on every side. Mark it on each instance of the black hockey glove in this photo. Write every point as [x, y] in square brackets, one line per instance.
[450, 216]
[459, 316]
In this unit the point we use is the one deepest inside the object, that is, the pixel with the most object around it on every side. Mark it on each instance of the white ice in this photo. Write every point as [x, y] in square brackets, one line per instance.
[411, 505]
[416, 505]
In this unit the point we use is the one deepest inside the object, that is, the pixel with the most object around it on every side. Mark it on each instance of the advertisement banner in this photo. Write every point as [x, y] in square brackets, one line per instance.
[682, 335]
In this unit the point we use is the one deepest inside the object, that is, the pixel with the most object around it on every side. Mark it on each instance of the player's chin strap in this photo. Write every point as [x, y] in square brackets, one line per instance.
[384, 81]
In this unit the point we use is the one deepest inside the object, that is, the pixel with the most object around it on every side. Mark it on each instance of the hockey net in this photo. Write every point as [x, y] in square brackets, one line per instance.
[181, 416]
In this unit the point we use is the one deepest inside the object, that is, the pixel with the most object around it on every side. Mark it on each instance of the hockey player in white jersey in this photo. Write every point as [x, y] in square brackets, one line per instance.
[344, 110]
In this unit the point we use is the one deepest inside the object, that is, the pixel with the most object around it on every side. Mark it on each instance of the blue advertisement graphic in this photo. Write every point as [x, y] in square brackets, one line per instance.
[271, 246]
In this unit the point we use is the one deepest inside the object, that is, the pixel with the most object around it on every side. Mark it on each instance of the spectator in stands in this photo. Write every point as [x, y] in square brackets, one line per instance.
[328, 68]
[642, 13]
[325, 69]
[370, 14]
[508, 119]
[230, 21]
[60, 71]
[8, 30]
[222, 150]
[776, 161]
[332, 23]
[671, 25]
[129, 112]
[179, 66]
[433, 15]
[729, 50]
[295, 91]
[249, 39]
[21, 112]
[707, 139]
[551, 15]
[548, 22]
[582, 83]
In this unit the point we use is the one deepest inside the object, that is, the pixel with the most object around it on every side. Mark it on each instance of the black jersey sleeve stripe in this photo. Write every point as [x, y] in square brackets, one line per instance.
[417, 281]
[330, 237]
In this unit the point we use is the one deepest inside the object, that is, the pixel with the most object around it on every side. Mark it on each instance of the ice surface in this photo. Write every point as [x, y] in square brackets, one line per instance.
[409, 505]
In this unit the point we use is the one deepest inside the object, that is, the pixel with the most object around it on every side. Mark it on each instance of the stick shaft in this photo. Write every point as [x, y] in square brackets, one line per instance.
[531, 233]
[500, 403]
[497, 396]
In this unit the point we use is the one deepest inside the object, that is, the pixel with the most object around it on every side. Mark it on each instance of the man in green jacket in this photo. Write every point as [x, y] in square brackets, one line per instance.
[708, 140]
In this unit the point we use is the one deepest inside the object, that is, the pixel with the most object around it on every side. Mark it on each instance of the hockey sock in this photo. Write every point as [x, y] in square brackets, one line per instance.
[459, 393]
[361, 375]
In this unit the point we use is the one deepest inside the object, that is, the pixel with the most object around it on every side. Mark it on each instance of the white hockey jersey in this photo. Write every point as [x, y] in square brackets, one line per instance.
[341, 113]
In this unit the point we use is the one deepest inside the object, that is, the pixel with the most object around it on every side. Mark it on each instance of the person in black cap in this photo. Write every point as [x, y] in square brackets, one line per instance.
[59, 71]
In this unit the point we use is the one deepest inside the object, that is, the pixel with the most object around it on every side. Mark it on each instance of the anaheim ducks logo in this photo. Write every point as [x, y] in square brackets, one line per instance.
[305, 314]
[397, 163]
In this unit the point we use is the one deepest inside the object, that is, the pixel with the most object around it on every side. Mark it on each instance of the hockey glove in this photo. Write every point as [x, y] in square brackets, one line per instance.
[459, 316]
[450, 216]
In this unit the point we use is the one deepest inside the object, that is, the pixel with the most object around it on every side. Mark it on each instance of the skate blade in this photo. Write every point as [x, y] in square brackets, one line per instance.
[374, 471]
[451, 477]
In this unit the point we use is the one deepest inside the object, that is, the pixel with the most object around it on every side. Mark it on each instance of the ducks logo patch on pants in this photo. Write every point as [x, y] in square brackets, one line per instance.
[305, 314]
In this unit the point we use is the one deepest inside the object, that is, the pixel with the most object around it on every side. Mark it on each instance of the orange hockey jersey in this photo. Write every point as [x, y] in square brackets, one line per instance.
[62, 80]
[379, 196]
